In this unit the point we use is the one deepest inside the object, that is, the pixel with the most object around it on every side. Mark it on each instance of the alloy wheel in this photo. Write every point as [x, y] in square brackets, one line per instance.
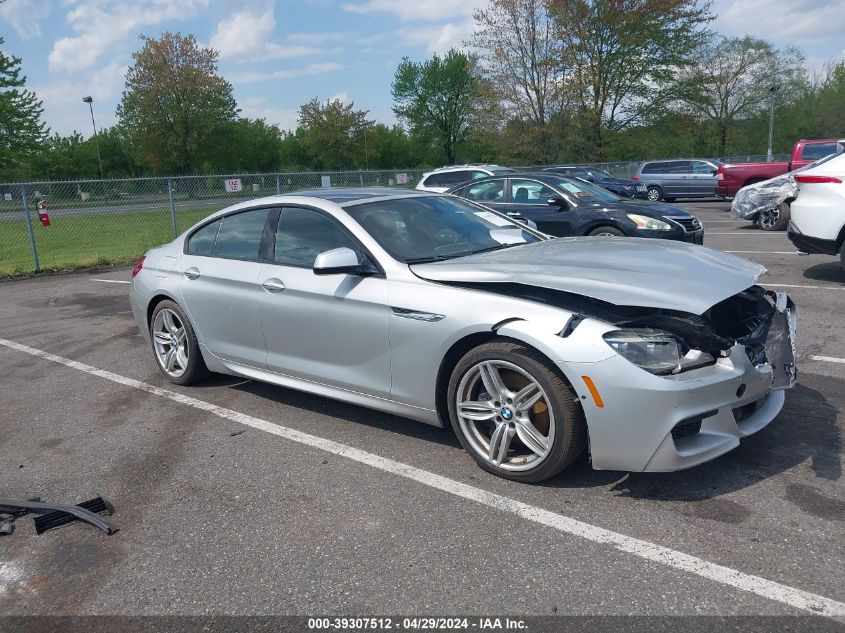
[768, 218]
[505, 415]
[170, 342]
[654, 194]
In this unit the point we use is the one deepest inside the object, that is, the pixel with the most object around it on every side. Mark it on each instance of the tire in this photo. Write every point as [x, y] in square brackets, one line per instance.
[606, 231]
[774, 219]
[654, 194]
[175, 345]
[842, 257]
[552, 422]
[668, 199]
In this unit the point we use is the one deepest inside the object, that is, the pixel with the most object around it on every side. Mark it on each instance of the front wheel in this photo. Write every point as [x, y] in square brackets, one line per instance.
[606, 231]
[774, 218]
[654, 194]
[514, 413]
[175, 345]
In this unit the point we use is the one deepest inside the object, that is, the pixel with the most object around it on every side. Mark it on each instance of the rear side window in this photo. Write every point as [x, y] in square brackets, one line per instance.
[302, 234]
[490, 191]
[680, 167]
[654, 168]
[240, 235]
[202, 241]
[816, 151]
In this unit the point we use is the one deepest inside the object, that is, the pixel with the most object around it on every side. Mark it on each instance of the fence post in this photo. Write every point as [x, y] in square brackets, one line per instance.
[360, 178]
[172, 206]
[24, 194]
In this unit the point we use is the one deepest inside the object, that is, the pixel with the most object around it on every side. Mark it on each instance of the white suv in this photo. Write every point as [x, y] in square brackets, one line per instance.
[443, 179]
[817, 222]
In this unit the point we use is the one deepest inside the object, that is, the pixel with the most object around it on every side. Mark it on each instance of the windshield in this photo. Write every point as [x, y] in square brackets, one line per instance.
[428, 228]
[601, 173]
[581, 191]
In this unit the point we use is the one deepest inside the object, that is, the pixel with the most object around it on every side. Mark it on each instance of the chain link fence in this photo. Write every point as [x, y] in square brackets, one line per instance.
[79, 224]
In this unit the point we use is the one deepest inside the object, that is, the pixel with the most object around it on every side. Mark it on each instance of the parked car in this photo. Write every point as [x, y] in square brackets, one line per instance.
[438, 309]
[682, 178]
[563, 206]
[734, 176]
[624, 187]
[817, 223]
[443, 179]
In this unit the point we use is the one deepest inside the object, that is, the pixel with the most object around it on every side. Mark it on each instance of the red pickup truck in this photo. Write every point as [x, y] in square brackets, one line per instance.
[731, 177]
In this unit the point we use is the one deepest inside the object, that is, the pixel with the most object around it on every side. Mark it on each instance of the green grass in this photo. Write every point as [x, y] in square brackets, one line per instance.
[89, 240]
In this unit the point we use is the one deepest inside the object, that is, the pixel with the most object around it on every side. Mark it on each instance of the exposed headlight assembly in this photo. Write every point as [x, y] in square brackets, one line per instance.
[651, 224]
[656, 351]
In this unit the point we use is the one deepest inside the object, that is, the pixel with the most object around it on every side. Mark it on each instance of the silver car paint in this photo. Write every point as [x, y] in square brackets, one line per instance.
[334, 344]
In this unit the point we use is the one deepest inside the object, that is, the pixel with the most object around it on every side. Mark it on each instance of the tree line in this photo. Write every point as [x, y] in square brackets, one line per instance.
[540, 81]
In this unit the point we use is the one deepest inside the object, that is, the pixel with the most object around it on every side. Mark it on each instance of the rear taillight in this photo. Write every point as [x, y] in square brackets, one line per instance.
[720, 174]
[808, 179]
[636, 178]
[138, 267]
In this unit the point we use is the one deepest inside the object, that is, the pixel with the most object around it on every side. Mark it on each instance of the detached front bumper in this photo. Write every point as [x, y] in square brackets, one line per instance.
[644, 422]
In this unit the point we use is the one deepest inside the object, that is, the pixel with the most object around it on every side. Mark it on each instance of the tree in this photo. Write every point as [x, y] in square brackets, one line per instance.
[249, 145]
[333, 134]
[730, 78]
[175, 105]
[21, 127]
[521, 53]
[439, 99]
[621, 52]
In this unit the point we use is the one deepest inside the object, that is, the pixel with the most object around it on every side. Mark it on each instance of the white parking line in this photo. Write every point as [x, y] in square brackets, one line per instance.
[766, 252]
[828, 359]
[797, 598]
[113, 281]
[768, 283]
[746, 233]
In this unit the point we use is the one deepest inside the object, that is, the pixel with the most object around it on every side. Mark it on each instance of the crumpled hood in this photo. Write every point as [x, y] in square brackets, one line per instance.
[624, 271]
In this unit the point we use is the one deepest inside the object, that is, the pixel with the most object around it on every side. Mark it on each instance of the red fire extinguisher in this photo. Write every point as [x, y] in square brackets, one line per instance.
[43, 216]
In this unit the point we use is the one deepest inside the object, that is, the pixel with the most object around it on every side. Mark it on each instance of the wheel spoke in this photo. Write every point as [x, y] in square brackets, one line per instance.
[532, 438]
[181, 335]
[181, 358]
[162, 337]
[492, 380]
[476, 410]
[500, 442]
[527, 397]
[170, 360]
[167, 318]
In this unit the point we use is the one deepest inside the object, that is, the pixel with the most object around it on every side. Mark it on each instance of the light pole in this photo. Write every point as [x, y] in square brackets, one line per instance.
[90, 102]
[772, 90]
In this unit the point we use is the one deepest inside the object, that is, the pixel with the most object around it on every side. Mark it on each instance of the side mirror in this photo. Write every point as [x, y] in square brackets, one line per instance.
[558, 201]
[715, 172]
[339, 261]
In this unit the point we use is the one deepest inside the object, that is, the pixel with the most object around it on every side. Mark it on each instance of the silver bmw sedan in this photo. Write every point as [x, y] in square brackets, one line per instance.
[649, 354]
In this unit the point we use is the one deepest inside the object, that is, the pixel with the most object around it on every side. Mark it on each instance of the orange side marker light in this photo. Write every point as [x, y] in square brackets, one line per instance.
[593, 391]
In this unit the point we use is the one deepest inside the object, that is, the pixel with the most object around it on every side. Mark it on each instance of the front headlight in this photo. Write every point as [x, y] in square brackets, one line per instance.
[651, 224]
[656, 351]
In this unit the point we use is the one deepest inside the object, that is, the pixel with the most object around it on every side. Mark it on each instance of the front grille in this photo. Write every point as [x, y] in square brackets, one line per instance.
[689, 224]
[685, 429]
[745, 411]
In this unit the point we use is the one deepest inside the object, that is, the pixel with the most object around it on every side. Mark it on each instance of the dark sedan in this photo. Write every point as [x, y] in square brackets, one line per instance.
[624, 187]
[563, 206]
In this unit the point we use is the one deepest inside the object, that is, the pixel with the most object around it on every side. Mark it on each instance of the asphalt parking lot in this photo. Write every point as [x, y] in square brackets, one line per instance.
[218, 515]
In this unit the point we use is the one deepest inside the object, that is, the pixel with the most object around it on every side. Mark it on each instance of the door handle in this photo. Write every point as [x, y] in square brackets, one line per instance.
[273, 285]
[191, 273]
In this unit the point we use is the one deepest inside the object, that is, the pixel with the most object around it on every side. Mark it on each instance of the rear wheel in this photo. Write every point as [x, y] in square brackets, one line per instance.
[775, 218]
[513, 413]
[842, 257]
[606, 231]
[654, 194]
[175, 345]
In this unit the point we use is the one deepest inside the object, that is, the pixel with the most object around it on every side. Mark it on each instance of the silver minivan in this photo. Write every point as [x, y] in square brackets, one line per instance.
[680, 178]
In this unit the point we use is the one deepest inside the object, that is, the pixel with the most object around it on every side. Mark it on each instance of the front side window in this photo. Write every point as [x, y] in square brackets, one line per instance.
[530, 192]
[302, 234]
[490, 191]
[202, 241]
[240, 235]
[818, 150]
[429, 228]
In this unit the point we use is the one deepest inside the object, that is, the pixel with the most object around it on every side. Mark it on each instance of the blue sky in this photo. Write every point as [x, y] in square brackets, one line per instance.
[279, 54]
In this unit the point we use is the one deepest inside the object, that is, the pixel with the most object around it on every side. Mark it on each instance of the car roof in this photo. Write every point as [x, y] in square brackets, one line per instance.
[547, 177]
[342, 195]
[487, 166]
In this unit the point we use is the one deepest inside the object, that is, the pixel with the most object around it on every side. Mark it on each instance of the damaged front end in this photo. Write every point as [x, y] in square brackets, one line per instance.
[752, 200]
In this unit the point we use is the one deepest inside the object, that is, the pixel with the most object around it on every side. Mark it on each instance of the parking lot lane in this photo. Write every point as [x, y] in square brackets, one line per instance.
[212, 522]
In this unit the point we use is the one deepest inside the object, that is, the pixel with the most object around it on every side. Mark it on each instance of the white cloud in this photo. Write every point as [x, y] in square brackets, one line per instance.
[101, 24]
[256, 108]
[783, 21]
[24, 16]
[439, 39]
[316, 38]
[343, 97]
[244, 35]
[254, 76]
[64, 110]
[431, 10]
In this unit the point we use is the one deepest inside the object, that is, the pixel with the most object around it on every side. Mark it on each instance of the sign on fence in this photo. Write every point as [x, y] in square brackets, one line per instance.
[325, 181]
[233, 185]
[7, 196]
[402, 179]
